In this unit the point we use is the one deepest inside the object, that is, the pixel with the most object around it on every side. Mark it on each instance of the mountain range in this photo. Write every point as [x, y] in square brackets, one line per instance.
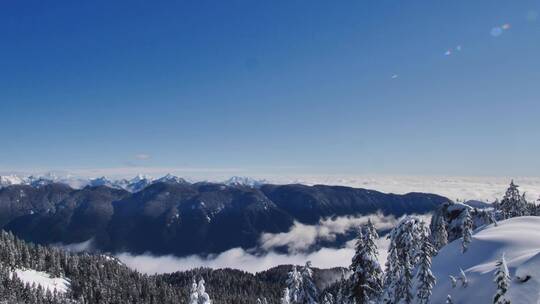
[172, 216]
[134, 184]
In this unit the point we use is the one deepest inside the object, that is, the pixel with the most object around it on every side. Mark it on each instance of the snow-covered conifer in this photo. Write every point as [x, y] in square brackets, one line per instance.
[463, 278]
[285, 298]
[405, 242]
[341, 297]
[440, 235]
[366, 279]
[466, 229]
[513, 204]
[453, 281]
[310, 293]
[294, 286]
[449, 299]
[193, 295]
[328, 299]
[424, 276]
[502, 279]
[198, 293]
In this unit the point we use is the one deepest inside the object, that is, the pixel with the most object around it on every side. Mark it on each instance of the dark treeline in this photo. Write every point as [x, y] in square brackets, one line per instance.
[103, 279]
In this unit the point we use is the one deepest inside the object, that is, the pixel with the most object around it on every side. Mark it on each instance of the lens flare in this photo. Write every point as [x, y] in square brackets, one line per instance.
[496, 31]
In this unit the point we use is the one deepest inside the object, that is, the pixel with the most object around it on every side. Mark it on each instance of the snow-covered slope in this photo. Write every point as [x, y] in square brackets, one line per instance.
[44, 279]
[518, 238]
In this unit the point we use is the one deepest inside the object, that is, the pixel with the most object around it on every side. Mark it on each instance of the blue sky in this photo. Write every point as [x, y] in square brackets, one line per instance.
[328, 87]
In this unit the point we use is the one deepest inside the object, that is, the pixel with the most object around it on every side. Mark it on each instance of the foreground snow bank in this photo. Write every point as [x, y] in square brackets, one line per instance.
[517, 238]
[44, 279]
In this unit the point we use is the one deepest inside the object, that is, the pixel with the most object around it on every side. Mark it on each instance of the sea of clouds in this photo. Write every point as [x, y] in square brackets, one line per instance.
[483, 188]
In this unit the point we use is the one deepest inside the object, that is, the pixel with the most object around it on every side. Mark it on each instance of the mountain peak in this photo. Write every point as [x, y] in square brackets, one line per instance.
[171, 179]
[244, 181]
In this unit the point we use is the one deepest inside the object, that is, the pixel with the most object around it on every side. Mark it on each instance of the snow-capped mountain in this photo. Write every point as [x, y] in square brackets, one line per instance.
[517, 238]
[135, 184]
[103, 181]
[8, 180]
[138, 183]
[170, 179]
[244, 181]
[39, 181]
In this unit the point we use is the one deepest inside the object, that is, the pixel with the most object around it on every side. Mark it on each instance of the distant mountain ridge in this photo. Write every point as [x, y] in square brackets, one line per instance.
[171, 216]
[134, 184]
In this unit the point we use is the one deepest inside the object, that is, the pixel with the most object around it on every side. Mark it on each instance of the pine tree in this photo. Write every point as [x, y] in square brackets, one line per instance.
[453, 281]
[466, 229]
[440, 236]
[513, 204]
[426, 279]
[285, 299]
[502, 279]
[328, 299]
[294, 286]
[449, 300]
[405, 242]
[463, 278]
[194, 295]
[366, 280]
[198, 293]
[310, 292]
[341, 298]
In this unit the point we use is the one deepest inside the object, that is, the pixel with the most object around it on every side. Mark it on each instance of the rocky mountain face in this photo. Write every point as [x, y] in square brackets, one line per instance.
[182, 218]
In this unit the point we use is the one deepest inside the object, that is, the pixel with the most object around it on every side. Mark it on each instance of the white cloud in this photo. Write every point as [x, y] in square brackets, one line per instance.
[301, 237]
[240, 259]
[235, 258]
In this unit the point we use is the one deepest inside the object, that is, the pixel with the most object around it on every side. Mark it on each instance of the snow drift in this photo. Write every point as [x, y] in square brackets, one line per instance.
[518, 238]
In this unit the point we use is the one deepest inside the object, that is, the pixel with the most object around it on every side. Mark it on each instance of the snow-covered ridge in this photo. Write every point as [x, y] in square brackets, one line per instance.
[134, 184]
[518, 238]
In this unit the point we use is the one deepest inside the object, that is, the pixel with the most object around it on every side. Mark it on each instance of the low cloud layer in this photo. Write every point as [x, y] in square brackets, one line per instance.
[301, 237]
[486, 188]
[240, 259]
[297, 240]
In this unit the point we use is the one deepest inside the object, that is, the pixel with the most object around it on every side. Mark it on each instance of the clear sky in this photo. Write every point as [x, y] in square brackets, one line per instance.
[352, 87]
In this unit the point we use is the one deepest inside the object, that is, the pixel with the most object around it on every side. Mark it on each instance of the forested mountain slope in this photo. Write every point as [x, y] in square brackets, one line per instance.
[101, 279]
[181, 218]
